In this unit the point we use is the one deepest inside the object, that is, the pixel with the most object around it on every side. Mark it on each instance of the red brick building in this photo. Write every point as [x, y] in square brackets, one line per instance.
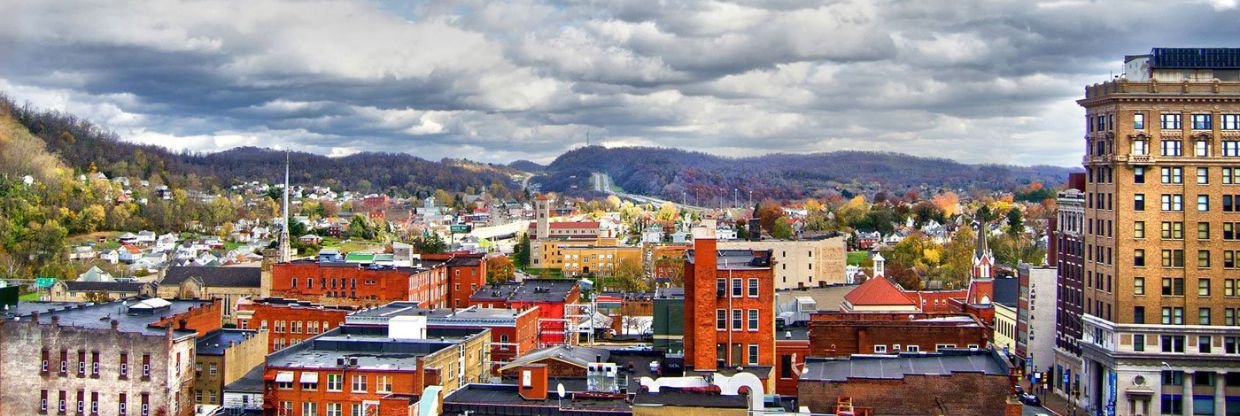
[548, 295]
[289, 321]
[958, 383]
[513, 332]
[371, 370]
[729, 307]
[792, 347]
[841, 334]
[354, 284]
[467, 272]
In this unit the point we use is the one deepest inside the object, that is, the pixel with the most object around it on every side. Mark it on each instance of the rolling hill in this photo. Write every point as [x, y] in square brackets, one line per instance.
[674, 174]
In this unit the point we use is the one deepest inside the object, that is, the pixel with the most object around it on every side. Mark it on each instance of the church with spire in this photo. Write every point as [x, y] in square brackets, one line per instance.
[880, 294]
[284, 252]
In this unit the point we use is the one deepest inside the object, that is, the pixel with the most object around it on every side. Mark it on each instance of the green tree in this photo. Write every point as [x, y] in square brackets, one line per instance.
[782, 229]
[360, 228]
[629, 277]
[1016, 224]
[521, 252]
[429, 244]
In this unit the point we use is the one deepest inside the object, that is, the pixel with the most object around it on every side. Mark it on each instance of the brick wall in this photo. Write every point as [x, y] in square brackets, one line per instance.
[202, 319]
[839, 334]
[961, 394]
[277, 338]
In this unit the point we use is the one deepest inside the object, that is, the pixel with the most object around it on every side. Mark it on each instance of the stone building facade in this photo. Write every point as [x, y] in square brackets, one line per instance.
[802, 263]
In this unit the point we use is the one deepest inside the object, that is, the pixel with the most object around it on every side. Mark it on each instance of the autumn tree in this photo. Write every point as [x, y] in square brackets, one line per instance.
[767, 212]
[782, 229]
[500, 269]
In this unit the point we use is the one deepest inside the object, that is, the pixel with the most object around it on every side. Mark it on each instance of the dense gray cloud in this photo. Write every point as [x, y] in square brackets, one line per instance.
[972, 80]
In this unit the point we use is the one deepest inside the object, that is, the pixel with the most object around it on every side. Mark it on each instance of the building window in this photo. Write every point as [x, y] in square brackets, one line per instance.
[737, 322]
[1172, 343]
[1138, 342]
[1138, 121]
[880, 349]
[753, 319]
[1203, 203]
[1230, 121]
[335, 409]
[309, 409]
[1203, 176]
[753, 287]
[721, 319]
[1172, 316]
[1173, 258]
[1203, 231]
[1173, 175]
[736, 288]
[1203, 316]
[1170, 147]
[1138, 202]
[1229, 287]
[123, 404]
[1138, 258]
[1138, 314]
[383, 384]
[1138, 286]
[146, 366]
[1170, 121]
[1138, 229]
[1173, 286]
[1201, 148]
[753, 354]
[43, 401]
[359, 381]
[1203, 258]
[285, 408]
[335, 382]
[1202, 122]
[1231, 148]
[1172, 202]
[1203, 287]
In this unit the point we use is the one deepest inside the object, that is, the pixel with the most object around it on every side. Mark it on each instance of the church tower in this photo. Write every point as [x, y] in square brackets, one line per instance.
[284, 252]
[981, 283]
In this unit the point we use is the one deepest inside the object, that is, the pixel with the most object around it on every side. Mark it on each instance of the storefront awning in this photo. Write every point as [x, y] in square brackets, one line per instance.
[309, 377]
[284, 377]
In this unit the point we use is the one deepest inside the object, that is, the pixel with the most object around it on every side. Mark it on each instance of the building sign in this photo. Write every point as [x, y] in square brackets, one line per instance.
[460, 228]
[1112, 378]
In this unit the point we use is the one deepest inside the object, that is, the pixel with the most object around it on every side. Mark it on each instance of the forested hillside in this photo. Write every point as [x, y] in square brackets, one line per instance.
[672, 173]
[82, 144]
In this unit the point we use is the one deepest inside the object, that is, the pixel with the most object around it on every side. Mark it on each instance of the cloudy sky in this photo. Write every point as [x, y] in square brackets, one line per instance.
[987, 80]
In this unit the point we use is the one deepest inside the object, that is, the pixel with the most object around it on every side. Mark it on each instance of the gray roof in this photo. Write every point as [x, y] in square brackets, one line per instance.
[504, 399]
[738, 259]
[370, 346]
[216, 342]
[896, 367]
[1006, 291]
[577, 355]
[471, 316]
[99, 316]
[685, 398]
[251, 382]
[91, 286]
[215, 276]
[530, 290]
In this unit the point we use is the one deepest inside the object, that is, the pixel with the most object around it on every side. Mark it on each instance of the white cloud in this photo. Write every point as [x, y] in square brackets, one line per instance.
[981, 81]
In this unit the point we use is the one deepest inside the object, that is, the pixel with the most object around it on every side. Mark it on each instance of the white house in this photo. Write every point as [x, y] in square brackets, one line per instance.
[146, 237]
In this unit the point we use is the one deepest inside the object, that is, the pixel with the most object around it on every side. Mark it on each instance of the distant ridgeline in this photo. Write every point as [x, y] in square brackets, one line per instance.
[82, 144]
[672, 173]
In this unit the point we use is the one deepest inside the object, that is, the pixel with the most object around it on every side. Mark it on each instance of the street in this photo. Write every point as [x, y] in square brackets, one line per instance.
[1035, 411]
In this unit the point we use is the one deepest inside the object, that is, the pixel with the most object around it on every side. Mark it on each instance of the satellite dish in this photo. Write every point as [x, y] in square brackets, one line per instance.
[559, 388]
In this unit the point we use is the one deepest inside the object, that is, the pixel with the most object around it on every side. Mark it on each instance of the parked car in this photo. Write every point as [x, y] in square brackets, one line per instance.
[1030, 399]
[1020, 391]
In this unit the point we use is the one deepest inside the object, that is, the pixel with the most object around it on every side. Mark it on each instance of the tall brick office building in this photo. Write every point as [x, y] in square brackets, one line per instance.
[1161, 235]
[729, 307]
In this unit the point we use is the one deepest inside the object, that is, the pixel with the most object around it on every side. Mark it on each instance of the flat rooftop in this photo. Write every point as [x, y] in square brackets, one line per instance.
[251, 382]
[737, 259]
[897, 367]
[531, 290]
[128, 317]
[471, 316]
[216, 342]
[371, 346]
[477, 398]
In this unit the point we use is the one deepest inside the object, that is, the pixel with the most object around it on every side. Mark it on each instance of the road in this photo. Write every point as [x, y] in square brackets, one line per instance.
[1035, 411]
[602, 183]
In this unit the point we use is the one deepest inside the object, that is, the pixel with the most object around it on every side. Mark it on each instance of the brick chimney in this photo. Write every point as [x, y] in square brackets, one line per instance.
[532, 384]
[700, 301]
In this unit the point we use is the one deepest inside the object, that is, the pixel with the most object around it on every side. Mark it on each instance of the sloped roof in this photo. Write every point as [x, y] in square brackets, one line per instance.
[215, 276]
[878, 291]
[576, 355]
[99, 286]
